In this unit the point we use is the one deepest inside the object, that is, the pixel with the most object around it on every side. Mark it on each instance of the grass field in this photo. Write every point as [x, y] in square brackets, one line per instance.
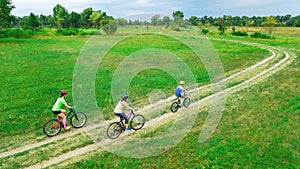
[34, 70]
[258, 128]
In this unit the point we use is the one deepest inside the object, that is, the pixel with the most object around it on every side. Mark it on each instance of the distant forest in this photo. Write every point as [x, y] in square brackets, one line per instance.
[90, 18]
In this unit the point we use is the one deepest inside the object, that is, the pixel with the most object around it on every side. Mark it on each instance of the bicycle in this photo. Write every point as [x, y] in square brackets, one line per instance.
[115, 129]
[53, 127]
[176, 105]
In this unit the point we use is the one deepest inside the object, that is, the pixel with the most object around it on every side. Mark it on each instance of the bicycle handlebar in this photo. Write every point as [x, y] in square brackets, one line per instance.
[72, 107]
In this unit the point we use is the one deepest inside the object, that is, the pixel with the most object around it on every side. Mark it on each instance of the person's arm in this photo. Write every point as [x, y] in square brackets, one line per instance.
[126, 105]
[66, 104]
[183, 90]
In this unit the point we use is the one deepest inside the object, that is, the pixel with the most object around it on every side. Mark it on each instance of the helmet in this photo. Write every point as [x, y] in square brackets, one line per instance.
[63, 92]
[125, 96]
[181, 82]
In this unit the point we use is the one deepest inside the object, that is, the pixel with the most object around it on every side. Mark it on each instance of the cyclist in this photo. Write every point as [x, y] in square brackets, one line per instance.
[119, 109]
[180, 91]
[57, 108]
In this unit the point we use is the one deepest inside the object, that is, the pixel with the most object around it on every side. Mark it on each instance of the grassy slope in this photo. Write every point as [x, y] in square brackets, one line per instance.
[34, 70]
[234, 57]
[41, 82]
[250, 135]
[32, 73]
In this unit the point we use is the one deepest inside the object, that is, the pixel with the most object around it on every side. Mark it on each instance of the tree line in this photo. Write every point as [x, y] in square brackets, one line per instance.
[90, 18]
[61, 18]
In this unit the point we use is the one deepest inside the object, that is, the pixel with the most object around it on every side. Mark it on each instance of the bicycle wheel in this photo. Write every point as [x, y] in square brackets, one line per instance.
[186, 102]
[114, 130]
[52, 127]
[174, 107]
[78, 119]
[137, 122]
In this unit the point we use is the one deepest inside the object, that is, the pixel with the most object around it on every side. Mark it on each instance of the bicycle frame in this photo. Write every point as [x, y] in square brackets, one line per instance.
[69, 114]
[53, 126]
[128, 116]
[136, 122]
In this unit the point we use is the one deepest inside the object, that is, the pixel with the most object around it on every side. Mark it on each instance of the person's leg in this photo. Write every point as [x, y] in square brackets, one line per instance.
[179, 102]
[178, 99]
[123, 115]
[63, 116]
[126, 121]
[57, 114]
[181, 96]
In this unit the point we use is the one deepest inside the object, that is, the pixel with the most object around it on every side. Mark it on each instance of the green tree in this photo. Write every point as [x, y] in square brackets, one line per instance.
[31, 22]
[294, 21]
[257, 20]
[61, 16]
[249, 23]
[75, 20]
[222, 26]
[194, 20]
[6, 18]
[178, 20]
[228, 20]
[50, 21]
[166, 21]
[236, 21]
[270, 22]
[43, 20]
[122, 21]
[155, 20]
[178, 16]
[96, 18]
[105, 19]
[85, 17]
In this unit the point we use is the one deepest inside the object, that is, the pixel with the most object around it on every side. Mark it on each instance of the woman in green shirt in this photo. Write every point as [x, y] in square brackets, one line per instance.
[57, 108]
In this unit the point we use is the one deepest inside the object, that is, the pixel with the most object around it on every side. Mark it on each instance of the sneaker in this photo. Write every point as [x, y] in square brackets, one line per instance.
[128, 129]
[67, 128]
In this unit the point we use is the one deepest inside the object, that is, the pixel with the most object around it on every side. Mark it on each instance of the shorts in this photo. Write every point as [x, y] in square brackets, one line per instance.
[56, 112]
[122, 115]
[181, 95]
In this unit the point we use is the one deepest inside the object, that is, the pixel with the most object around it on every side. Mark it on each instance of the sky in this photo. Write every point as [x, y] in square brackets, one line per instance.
[139, 9]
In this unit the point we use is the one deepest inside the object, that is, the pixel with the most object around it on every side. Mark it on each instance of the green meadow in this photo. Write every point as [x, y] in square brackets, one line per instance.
[259, 127]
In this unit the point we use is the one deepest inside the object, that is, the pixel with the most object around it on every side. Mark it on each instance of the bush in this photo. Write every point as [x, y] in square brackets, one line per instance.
[239, 33]
[87, 32]
[110, 28]
[205, 31]
[176, 28]
[67, 32]
[260, 35]
[16, 33]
